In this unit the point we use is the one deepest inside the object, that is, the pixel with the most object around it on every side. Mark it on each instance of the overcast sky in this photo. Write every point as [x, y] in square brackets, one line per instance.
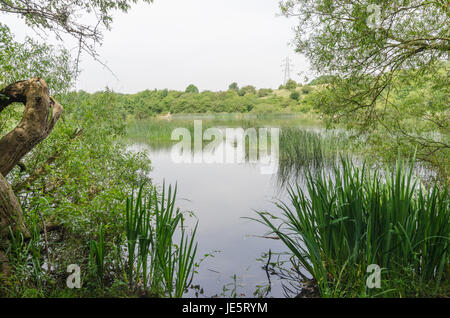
[209, 43]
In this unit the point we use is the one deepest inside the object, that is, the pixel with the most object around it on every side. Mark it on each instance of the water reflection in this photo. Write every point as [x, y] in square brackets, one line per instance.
[222, 195]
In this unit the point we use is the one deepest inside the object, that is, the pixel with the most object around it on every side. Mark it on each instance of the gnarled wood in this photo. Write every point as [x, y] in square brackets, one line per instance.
[39, 117]
[10, 212]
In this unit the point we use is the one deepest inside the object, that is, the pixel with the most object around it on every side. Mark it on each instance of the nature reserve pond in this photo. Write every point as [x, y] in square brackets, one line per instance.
[222, 196]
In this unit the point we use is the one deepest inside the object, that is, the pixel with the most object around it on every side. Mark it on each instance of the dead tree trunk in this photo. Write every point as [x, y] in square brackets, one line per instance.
[39, 117]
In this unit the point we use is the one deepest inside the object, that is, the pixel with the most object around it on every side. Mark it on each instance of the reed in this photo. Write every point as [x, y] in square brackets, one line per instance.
[154, 260]
[97, 255]
[348, 219]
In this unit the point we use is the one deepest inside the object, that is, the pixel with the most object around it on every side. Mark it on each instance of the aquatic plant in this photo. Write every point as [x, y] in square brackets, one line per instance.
[154, 260]
[348, 219]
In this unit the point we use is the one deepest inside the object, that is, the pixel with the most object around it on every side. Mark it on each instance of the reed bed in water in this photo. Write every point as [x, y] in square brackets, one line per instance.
[159, 131]
[315, 150]
[154, 261]
[346, 220]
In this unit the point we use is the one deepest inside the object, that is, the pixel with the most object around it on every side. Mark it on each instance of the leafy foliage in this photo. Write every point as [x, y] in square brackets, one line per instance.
[191, 89]
[62, 17]
[19, 61]
[385, 67]
[291, 84]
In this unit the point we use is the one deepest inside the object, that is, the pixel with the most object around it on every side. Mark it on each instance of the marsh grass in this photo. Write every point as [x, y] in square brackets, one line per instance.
[311, 149]
[97, 255]
[348, 219]
[154, 261]
[26, 254]
[156, 132]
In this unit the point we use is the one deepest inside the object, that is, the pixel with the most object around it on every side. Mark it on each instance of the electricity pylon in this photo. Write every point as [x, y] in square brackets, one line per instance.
[287, 66]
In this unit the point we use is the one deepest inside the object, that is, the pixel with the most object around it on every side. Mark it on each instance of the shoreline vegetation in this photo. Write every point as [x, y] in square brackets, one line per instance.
[99, 249]
[72, 195]
[351, 218]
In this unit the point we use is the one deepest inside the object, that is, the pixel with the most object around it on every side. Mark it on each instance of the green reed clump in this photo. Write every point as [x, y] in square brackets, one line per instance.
[154, 261]
[97, 255]
[25, 253]
[300, 149]
[305, 148]
[344, 221]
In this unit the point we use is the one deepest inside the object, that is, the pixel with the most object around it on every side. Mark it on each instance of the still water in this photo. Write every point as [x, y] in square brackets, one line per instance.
[222, 196]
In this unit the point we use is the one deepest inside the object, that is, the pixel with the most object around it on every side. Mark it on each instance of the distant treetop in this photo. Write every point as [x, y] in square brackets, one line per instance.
[192, 89]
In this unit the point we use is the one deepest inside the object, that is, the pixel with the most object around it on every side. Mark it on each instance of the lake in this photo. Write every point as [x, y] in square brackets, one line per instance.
[222, 196]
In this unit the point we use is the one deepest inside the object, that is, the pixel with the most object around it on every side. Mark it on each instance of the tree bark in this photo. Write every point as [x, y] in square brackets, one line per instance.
[11, 215]
[39, 117]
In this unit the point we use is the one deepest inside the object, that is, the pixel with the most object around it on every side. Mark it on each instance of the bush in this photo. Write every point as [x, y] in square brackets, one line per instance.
[249, 89]
[295, 95]
[263, 92]
[306, 90]
[233, 87]
[291, 84]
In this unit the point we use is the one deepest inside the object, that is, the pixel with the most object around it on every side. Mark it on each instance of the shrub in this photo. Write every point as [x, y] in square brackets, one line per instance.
[291, 84]
[295, 95]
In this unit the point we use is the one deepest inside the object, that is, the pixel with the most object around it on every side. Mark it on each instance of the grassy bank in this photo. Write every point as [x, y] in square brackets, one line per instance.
[150, 255]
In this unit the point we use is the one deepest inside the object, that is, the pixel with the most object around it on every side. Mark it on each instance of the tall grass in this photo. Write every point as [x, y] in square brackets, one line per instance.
[344, 221]
[300, 149]
[158, 132]
[154, 261]
[311, 148]
[26, 253]
[97, 255]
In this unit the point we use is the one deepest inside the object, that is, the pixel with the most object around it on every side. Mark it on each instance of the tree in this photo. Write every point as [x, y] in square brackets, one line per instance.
[295, 95]
[191, 89]
[323, 79]
[233, 87]
[291, 84]
[263, 92]
[306, 89]
[39, 117]
[41, 111]
[63, 17]
[249, 89]
[365, 48]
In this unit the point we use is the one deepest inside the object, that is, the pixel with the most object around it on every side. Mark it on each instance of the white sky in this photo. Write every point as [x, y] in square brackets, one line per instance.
[173, 43]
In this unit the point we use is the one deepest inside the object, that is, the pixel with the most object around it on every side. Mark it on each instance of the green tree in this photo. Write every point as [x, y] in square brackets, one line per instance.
[263, 92]
[291, 84]
[306, 89]
[249, 89]
[191, 89]
[41, 111]
[295, 95]
[234, 87]
[322, 79]
[367, 48]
